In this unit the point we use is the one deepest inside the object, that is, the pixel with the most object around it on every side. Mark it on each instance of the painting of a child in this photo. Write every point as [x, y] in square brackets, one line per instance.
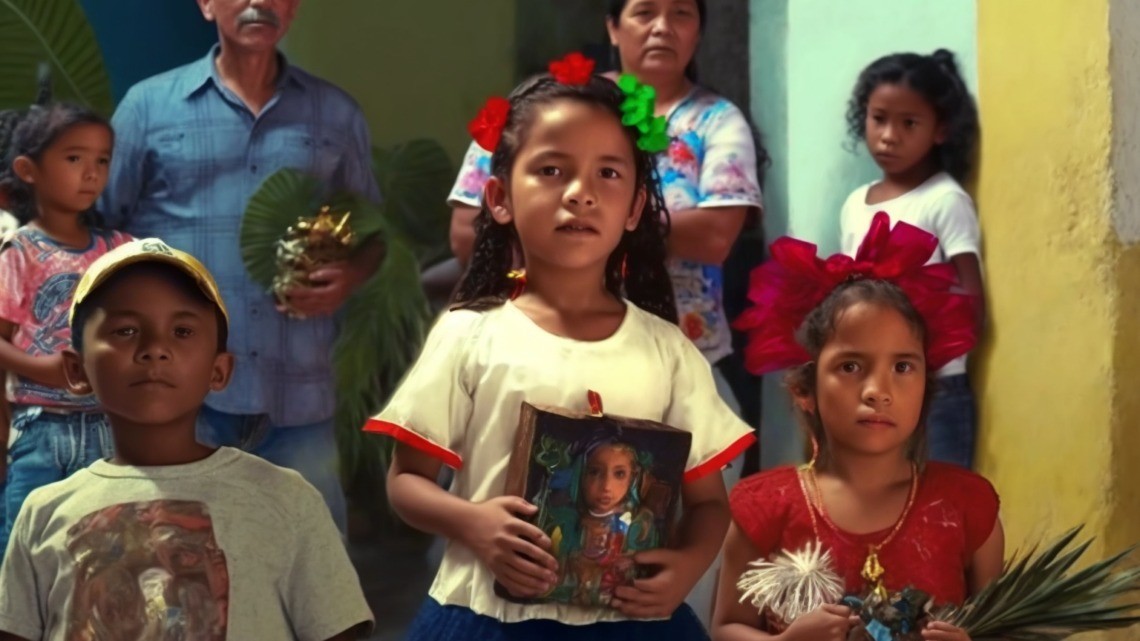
[604, 495]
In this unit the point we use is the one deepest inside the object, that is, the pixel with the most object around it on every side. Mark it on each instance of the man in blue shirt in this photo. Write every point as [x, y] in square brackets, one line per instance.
[192, 145]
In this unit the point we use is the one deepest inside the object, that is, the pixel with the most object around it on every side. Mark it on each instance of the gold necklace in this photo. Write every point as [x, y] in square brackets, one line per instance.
[873, 570]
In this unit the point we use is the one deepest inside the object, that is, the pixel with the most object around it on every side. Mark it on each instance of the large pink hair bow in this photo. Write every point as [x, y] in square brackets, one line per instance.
[794, 281]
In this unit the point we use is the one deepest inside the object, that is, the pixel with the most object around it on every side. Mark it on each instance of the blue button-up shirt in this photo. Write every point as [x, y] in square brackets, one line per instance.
[188, 156]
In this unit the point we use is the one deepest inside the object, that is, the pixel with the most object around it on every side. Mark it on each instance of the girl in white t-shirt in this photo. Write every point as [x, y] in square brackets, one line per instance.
[920, 125]
[573, 191]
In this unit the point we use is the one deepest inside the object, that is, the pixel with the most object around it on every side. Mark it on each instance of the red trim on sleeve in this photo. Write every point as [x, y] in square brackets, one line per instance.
[408, 437]
[717, 463]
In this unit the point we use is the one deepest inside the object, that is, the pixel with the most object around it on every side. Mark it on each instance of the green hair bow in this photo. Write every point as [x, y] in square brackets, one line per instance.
[637, 111]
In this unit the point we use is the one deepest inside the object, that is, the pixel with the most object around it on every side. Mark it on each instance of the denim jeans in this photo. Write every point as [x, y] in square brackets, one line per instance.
[51, 447]
[952, 426]
[311, 450]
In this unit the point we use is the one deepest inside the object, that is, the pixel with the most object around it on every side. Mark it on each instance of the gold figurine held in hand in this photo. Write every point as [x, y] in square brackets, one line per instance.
[305, 247]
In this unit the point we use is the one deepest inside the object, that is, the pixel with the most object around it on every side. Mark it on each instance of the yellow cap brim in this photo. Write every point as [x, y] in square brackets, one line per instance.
[147, 250]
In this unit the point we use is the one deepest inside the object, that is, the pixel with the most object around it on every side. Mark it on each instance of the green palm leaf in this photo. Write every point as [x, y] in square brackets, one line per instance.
[56, 32]
[1040, 597]
[383, 322]
[283, 198]
[386, 320]
[414, 178]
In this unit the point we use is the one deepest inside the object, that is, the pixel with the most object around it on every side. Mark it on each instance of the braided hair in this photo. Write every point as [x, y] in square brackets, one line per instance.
[646, 283]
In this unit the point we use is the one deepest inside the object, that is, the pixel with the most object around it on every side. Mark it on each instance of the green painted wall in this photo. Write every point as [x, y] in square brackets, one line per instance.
[418, 69]
[806, 55]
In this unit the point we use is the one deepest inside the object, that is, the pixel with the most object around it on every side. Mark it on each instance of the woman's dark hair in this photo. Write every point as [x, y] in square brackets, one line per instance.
[30, 133]
[613, 13]
[935, 78]
[819, 327]
[641, 252]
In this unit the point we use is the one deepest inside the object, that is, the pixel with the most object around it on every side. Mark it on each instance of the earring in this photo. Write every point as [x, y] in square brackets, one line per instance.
[814, 451]
[519, 276]
[624, 266]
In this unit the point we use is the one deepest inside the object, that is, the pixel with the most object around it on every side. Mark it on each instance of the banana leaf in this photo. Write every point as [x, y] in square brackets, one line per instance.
[56, 32]
[1041, 597]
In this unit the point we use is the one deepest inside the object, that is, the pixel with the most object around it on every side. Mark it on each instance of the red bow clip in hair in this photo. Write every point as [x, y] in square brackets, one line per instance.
[487, 126]
[795, 281]
[573, 69]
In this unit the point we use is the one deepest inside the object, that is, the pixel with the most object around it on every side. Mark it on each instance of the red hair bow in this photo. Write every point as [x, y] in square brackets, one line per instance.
[795, 281]
[487, 126]
[574, 69]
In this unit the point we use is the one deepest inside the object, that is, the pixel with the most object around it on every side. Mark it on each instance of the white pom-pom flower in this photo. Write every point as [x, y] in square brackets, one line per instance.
[793, 583]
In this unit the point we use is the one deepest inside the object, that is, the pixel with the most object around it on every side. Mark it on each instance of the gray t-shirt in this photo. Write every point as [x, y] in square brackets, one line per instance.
[230, 547]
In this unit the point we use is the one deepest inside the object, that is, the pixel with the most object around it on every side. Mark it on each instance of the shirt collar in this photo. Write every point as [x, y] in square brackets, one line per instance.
[204, 72]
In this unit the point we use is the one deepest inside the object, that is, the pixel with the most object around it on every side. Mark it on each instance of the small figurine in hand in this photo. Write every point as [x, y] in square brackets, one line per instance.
[901, 617]
[306, 246]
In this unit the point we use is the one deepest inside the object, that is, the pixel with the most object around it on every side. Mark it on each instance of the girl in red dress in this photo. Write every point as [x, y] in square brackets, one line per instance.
[862, 337]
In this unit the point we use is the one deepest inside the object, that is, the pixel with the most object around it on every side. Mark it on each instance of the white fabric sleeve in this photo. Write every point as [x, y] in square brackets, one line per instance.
[728, 166]
[473, 175]
[322, 595]
[432, 406]
[696, 407]
[955, 221]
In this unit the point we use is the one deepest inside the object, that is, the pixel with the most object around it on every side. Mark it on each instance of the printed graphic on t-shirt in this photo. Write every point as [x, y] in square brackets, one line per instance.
[149, 571]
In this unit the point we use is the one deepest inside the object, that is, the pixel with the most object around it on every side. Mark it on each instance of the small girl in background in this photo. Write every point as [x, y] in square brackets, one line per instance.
[862, 336]
[55, 161]
[920, 125]
[573, 190]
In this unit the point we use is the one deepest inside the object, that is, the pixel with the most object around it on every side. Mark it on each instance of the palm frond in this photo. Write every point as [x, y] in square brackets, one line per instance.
[284, 197]
[56, 32]
[385, 322]
[385, 326]
[1040, 597]
[414, 178]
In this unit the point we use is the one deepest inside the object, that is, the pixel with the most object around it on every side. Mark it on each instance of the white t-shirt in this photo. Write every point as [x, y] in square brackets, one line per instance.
[228, 548]
[460, 403]
[939, 206]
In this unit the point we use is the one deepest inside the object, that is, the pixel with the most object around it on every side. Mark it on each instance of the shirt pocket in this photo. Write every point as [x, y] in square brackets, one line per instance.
[318, 155]
[187, 160]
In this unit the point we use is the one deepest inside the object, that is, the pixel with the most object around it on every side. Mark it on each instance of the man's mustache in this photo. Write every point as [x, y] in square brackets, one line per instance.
[258, 15]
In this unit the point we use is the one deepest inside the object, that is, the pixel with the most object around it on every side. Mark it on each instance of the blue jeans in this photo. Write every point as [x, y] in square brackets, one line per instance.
[51, 447]
[952, 426]
[311, 450]
[437, 622]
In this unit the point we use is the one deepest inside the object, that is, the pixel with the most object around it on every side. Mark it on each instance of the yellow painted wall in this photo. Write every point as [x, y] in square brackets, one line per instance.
[1059, 375]
[419, 69]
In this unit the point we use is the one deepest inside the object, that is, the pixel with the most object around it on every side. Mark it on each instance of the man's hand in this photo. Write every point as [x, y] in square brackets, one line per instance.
[332, 284]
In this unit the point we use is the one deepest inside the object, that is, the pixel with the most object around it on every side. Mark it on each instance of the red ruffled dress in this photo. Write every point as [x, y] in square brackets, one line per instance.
[954, 512]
